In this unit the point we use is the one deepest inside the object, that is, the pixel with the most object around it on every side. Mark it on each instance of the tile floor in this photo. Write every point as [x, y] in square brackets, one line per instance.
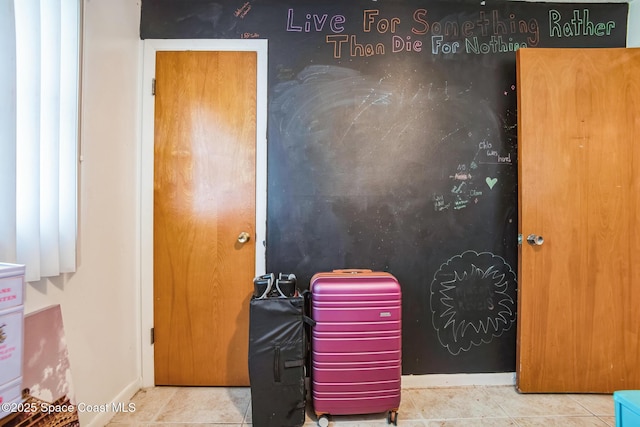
[479, 406]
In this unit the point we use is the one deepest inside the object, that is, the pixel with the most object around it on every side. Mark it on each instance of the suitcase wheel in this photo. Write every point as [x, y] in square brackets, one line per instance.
[323, 420]
[392, 418]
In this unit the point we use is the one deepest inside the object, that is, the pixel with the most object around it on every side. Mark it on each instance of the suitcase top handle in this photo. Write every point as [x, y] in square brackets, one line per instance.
[353, 271]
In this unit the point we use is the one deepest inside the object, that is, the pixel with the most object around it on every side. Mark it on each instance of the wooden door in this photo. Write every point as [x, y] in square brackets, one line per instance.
[204, 197]
[579, 188]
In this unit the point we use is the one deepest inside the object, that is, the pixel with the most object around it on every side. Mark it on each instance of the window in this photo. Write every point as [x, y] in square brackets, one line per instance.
[39, 74]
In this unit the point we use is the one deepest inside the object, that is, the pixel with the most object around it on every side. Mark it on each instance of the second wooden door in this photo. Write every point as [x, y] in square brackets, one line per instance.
[579, 202]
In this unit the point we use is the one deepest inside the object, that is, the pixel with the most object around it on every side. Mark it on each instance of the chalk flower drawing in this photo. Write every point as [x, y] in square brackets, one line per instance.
[472, 300]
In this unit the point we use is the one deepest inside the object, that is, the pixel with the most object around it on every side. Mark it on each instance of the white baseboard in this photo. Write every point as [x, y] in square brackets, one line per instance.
[458, 380]
[102, 418]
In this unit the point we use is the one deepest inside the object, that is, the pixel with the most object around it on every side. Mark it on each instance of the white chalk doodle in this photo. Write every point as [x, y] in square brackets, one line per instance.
[473, 300]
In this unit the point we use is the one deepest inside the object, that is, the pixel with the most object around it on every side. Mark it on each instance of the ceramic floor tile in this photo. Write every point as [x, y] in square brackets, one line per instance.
[611, 421]
[148, 402]
[350, 420]
[190, 425]
[411, 405]
[247, 415]
[343, 423]
[560, 422]
[406, 412]
[453, 402]
[474, 422]
[408, 409]
[534, 405]
[310, 418]
[377, 423]
[482, 406]
[207, 405]
[406, 423]
[597, 404]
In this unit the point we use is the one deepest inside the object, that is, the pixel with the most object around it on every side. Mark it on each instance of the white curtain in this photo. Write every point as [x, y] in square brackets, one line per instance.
[39, 70]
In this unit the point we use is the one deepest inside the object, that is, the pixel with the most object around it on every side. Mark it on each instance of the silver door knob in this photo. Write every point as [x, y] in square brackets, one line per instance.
[244, 237]
[535, 240]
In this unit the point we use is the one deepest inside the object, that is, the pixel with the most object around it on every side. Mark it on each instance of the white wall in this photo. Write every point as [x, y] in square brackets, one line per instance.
[100, 303]
[633, 24]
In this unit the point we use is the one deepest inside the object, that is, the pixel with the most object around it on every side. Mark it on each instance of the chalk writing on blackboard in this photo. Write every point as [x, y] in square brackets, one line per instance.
[466, 187]
[488, 32]
[472, 300]
[242, 11]
[577, 24]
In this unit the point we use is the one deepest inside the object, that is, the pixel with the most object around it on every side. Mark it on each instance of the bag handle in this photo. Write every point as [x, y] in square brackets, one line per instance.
[265, 279]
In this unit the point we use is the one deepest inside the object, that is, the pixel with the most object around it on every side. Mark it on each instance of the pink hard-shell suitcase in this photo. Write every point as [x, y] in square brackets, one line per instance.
[356, 344]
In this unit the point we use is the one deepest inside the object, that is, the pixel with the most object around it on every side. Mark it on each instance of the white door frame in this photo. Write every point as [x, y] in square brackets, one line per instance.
[145, 176]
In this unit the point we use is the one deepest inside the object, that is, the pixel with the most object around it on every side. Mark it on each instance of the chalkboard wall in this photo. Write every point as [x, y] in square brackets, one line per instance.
[392, 146]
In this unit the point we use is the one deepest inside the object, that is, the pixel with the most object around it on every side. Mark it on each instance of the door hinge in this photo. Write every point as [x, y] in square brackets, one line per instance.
[153, 87]
[152, 335]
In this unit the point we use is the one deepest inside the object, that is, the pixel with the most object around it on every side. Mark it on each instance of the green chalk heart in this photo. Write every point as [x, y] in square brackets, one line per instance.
[491, 182]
